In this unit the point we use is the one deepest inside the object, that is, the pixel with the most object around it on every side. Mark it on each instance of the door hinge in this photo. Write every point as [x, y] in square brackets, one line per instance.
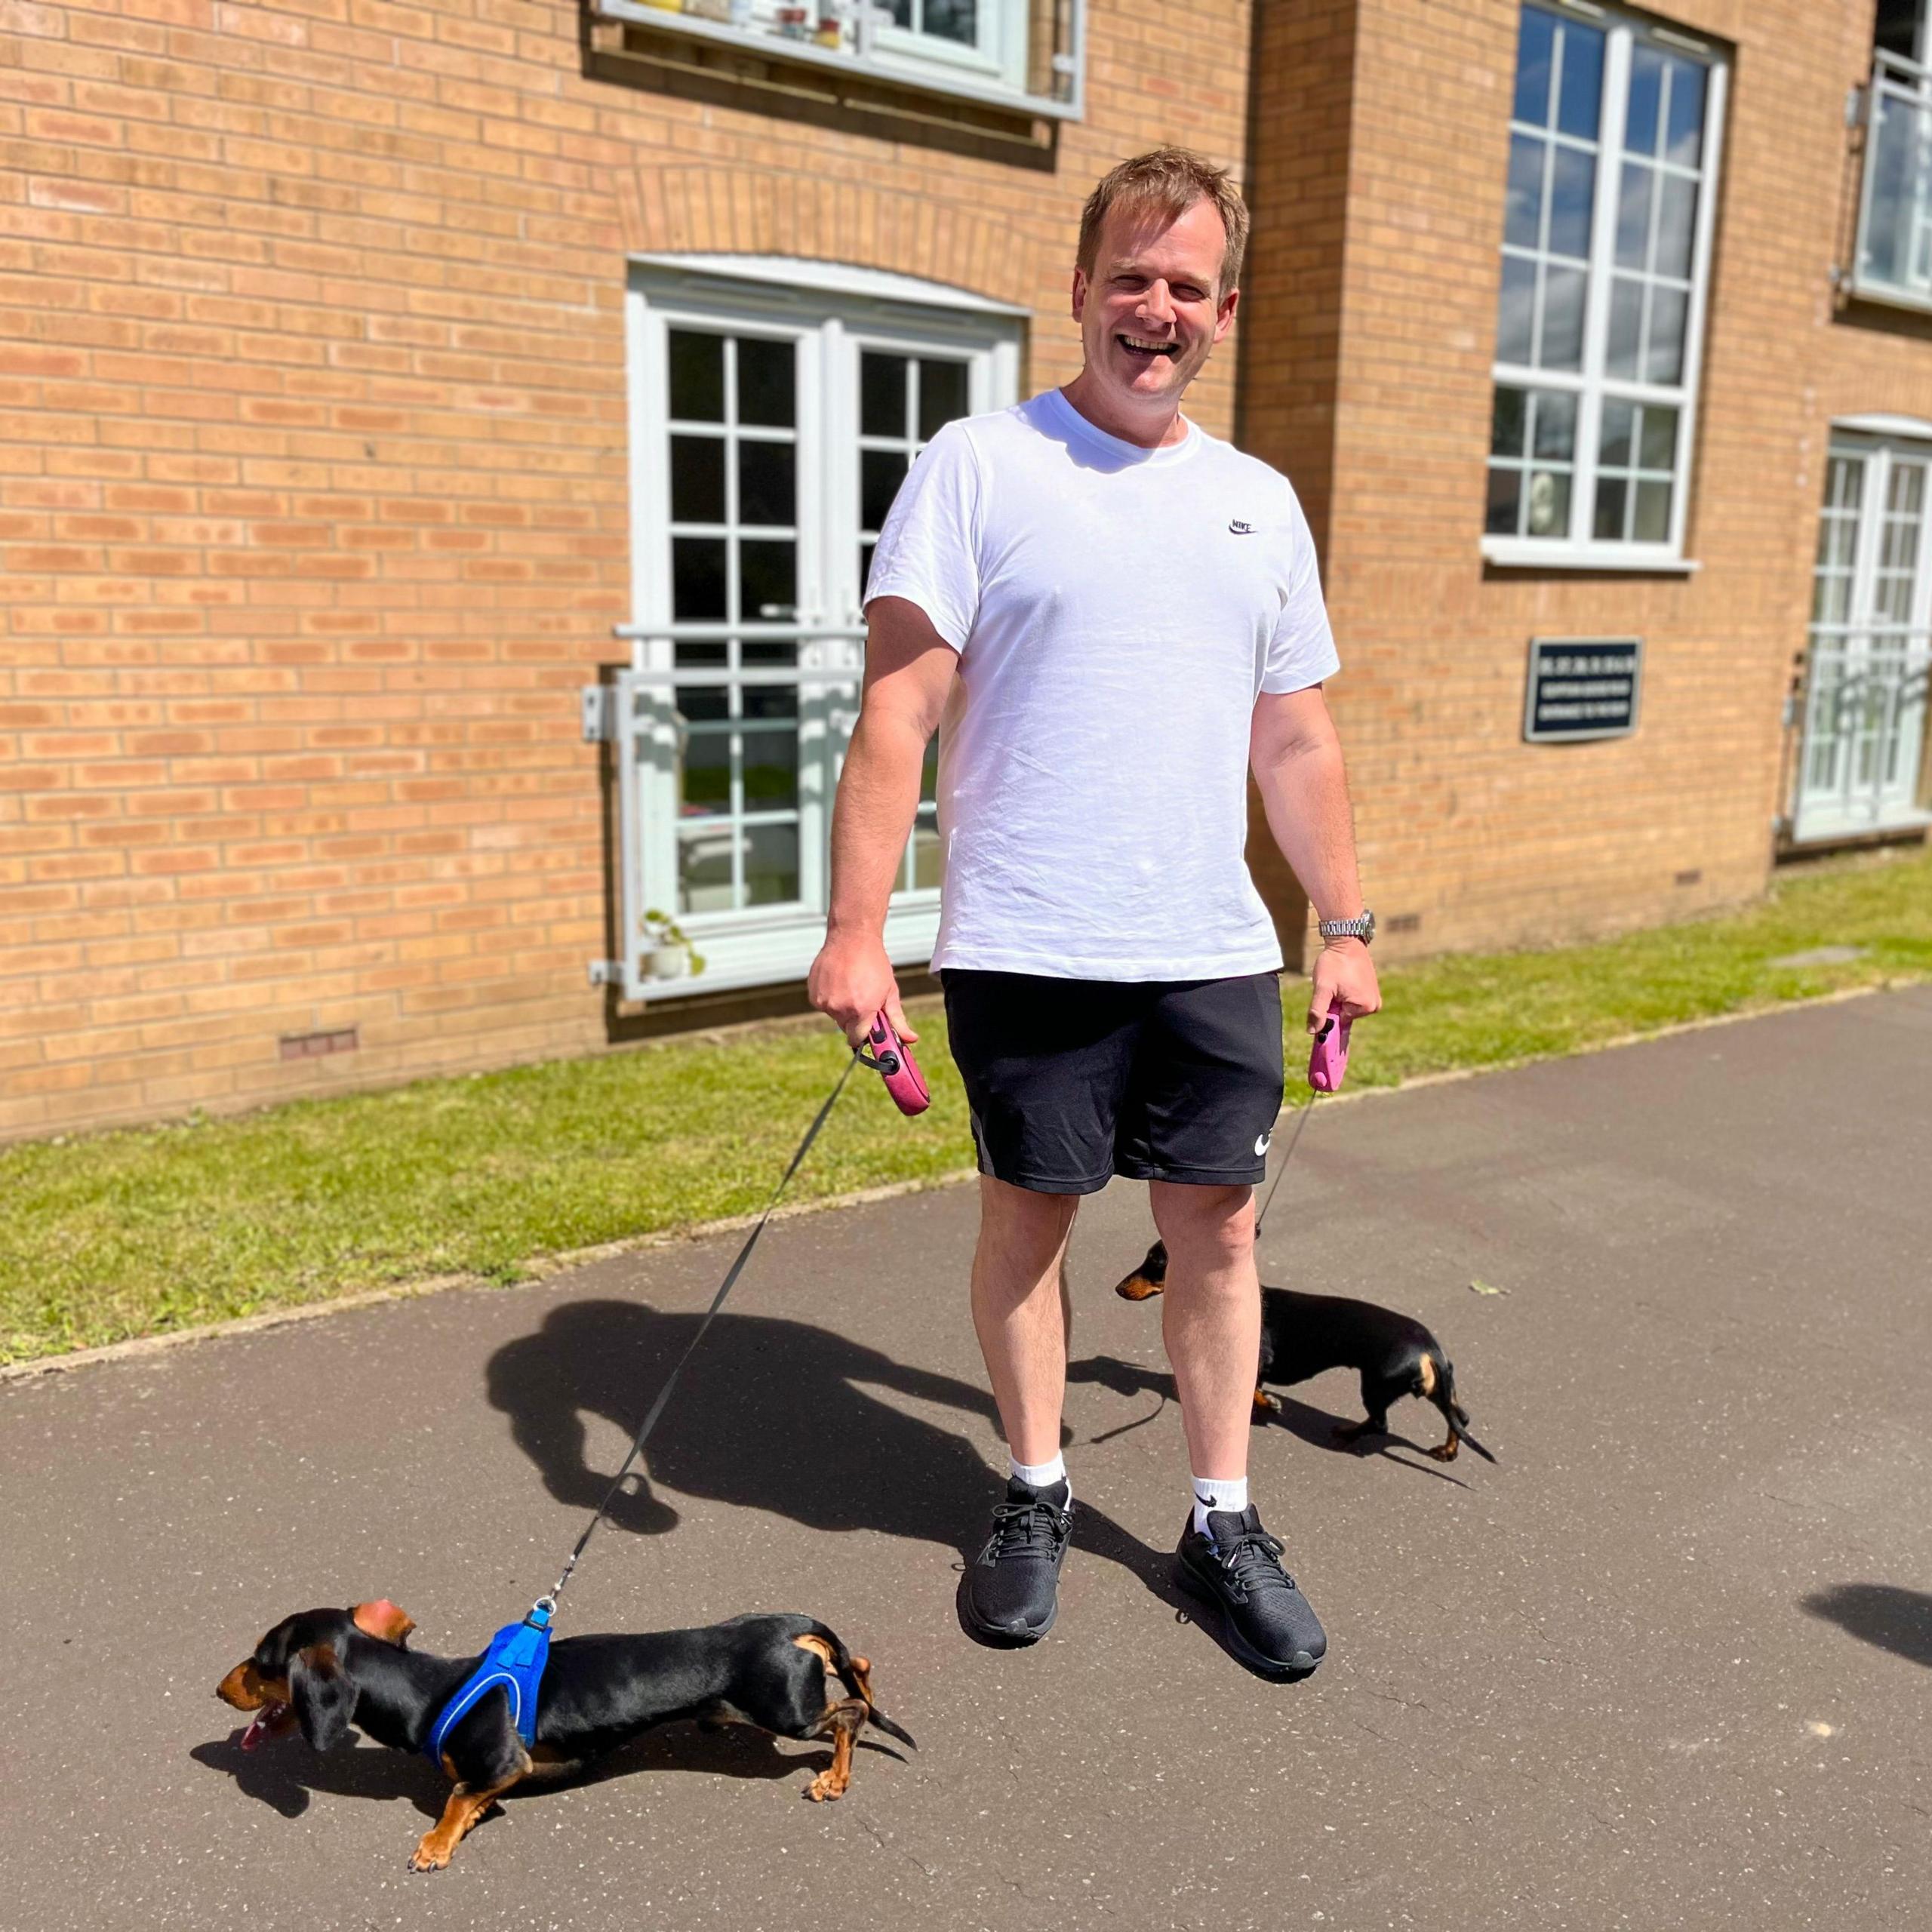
[606, 972]
[599, 712]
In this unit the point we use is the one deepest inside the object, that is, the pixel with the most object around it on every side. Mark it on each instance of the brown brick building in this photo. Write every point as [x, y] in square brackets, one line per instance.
[366, 370]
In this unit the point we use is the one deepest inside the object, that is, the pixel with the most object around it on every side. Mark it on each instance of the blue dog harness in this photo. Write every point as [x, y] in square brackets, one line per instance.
[516, 1659]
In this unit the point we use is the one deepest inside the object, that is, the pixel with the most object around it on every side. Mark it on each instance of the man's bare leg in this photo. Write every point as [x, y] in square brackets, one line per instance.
[1021, 1312]
[1211, 1319]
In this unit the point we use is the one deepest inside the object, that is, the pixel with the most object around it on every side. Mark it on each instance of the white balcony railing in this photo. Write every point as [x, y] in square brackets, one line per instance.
[1025, 55]
[1894, 259]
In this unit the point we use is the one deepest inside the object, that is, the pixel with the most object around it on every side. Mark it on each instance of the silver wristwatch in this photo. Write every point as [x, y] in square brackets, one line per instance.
[1363, 928]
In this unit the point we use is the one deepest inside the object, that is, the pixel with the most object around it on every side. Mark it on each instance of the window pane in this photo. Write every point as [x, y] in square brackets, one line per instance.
[1550, 503]
[764, 701]
[1608, 522]
[1506, 487]
[1509, 423]
[1534, 41]
[942, 395]
[953, 19]
[697, 576]
[1686, 113]
[767, 377]
[767, 581]
[1640, 130]
[706, 777]
[1665, 361]
[1652, 522]
[771, 864]
[1677, 216]
[697, 479]
[881, 472]
[1562, 318]
[770, 771]
[1613, 442]
[1581, 89]
[1516, 315]
[1556, 425]
[1659, 442]
[1833, 602]
[1522, 225]
[882, 394]
[698, 377]
[1626, 316]
[704, 873]
[1572, 184]
[1633, 214]
[766, 491]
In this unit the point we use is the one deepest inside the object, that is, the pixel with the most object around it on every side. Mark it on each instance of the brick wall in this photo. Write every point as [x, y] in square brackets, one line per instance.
[1489, 841]
[313, 512]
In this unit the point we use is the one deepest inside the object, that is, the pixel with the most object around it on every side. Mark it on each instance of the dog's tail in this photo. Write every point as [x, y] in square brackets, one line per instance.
[1149, 1278]
[1443, 1395]
[855, 1673]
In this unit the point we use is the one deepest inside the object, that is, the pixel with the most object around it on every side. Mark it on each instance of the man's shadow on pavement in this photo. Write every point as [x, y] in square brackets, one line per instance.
[1316, 1427]
[770, 1415]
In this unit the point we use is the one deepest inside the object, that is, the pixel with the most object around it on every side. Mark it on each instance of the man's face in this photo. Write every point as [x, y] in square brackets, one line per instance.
[1149, 314]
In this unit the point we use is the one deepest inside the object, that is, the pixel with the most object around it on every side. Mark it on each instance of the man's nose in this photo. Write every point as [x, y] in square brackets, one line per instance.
[1157, 306]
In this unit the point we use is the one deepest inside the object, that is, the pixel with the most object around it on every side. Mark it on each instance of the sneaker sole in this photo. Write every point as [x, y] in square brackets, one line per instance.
[1004, 1634]
[1301, 1665]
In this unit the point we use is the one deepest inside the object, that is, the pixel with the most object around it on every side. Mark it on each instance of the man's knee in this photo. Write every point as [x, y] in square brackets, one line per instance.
[1019, 1220]
[1204, 1227]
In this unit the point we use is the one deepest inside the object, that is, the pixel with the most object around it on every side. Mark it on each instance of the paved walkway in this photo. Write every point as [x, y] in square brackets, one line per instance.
[1667, 1666]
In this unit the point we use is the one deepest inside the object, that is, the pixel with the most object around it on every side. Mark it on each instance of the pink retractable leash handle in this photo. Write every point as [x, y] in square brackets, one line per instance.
[893, 1058]
[1328, 1058]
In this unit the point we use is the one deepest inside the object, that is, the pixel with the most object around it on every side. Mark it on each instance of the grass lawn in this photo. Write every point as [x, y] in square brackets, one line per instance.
[141, 1231]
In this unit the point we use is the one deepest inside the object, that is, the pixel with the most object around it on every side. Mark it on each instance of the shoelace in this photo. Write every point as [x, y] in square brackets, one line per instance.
[1019, 1528]
[1252, 1564]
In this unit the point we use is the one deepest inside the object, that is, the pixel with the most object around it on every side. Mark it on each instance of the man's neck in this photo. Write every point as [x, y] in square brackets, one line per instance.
[1148, 432]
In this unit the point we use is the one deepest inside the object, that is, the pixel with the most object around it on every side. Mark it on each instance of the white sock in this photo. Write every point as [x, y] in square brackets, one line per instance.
[1042, 1475]
[1229, 1493]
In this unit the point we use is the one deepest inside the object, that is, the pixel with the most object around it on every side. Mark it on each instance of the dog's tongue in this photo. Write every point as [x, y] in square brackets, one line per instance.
[259, 1723]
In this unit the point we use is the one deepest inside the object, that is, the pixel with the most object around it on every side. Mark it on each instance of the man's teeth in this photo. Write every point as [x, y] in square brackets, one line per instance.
[1149, 348]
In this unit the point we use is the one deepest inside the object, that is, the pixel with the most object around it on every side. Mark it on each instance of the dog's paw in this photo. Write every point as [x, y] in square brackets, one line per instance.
[825, 1787]
[430, 1856]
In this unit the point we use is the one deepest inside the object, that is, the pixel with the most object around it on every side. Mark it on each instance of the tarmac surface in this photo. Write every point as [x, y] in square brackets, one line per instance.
[1669, 1665]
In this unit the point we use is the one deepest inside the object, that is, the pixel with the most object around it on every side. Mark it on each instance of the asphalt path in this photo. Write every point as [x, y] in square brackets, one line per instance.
[1668, 1665]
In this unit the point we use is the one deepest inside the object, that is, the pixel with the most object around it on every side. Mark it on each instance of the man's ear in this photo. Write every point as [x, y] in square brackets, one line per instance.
[381, 1619]
[324, 1697]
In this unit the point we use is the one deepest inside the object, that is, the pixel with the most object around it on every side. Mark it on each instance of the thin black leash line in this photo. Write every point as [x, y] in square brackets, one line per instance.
[737, 1268]
[1294, 1141]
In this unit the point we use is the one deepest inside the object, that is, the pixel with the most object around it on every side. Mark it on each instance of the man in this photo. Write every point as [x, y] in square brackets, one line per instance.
[1113, 616]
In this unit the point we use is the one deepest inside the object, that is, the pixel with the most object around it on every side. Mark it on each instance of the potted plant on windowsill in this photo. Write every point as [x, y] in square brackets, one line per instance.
[668, 950]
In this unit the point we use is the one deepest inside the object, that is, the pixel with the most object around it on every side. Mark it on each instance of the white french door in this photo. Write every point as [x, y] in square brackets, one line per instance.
[771, 427]
[1860, 765]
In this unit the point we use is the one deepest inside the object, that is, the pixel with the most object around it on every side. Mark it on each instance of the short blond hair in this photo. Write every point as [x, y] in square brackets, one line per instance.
[1167, 182]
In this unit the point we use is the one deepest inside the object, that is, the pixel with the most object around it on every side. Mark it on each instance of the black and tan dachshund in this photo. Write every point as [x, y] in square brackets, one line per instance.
[1302, 1335]
[325, 1669]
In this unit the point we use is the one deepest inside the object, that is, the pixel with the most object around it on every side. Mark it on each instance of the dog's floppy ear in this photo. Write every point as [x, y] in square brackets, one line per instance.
[322, 1694]
[381, 1619]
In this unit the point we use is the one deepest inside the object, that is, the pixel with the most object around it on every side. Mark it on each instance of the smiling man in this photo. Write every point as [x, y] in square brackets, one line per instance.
[1111, 616]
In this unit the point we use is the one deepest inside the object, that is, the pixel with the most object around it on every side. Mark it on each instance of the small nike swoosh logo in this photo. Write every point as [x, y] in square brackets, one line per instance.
[1261, 1141]
[1241, 529]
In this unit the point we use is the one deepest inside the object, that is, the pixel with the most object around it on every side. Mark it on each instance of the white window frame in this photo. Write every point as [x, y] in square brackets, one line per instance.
[999, 53]
[833, 314]
[1579, 549]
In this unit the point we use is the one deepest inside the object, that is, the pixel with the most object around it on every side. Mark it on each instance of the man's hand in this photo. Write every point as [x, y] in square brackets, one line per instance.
[852, 981]
[1345, 980]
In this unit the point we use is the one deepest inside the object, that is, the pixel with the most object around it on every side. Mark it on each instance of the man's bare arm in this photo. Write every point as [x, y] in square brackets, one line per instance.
[1297, 759]
[910, 670]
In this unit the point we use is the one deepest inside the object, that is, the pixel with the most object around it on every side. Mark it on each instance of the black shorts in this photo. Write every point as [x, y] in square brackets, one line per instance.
[1072, 1082]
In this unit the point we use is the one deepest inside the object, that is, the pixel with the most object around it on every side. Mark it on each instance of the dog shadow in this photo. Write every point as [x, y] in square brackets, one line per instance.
[287, 1773]
[1316, 1427]
[1884, 1614]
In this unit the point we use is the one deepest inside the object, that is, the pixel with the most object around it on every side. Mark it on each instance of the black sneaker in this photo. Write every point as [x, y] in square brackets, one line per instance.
[1013, 1585]
[1236, 1567]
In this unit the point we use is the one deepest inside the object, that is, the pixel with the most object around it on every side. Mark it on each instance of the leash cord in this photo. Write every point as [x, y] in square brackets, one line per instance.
[1294, 1141]
[737, 1268]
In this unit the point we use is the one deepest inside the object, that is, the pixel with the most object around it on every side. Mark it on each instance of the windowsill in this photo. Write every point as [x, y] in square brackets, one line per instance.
[1531, 553]
[1892, 297]
[926, 75]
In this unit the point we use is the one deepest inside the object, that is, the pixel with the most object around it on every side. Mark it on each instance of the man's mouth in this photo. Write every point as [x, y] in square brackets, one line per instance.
[269, 1721]
[1146, 350]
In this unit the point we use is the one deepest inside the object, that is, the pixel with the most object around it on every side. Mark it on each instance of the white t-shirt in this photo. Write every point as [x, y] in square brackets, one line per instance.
[1116, 611]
